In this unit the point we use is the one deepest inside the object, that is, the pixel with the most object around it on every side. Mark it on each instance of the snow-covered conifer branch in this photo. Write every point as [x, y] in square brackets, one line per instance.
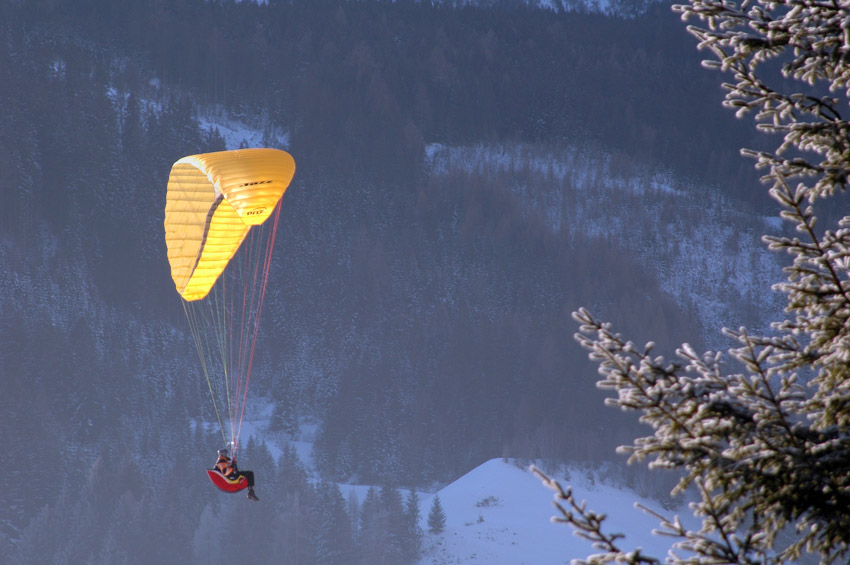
[767, 449]
[588, 525]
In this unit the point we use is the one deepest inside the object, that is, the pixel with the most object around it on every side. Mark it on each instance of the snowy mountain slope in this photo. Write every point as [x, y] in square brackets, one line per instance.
[604, 6]
[499, 514]
[705, 252]
[601, 6]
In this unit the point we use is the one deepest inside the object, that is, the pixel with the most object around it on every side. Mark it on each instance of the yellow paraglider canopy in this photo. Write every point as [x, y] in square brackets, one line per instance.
[212, 201]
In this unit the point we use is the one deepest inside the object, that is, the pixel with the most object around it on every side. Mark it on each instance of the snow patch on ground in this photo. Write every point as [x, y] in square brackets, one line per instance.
[238, 135]
[258, 413]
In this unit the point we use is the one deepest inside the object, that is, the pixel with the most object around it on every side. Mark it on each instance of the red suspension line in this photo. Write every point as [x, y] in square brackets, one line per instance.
[244, 265]
[267, 261]
[248, 307]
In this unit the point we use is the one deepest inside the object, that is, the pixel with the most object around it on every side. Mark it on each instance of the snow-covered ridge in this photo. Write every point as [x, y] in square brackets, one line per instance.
[500, 513]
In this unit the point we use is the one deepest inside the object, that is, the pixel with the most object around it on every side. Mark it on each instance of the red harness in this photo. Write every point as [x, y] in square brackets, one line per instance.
[225, 484]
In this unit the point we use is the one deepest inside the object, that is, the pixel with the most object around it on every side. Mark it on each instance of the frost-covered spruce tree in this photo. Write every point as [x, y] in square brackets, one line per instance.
[766, 448]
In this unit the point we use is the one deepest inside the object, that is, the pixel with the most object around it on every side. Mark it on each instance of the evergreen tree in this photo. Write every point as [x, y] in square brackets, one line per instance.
[372, 538]
[392, 509]
[413, 539]
[333, 538]
[297, 506]
[284, 416]
[209, 536]
[436, 517]
[354, 514]
[766, 449]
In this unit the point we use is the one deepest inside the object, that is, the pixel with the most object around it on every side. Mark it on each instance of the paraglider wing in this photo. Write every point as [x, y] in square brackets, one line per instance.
[212, 201]
[219, 246]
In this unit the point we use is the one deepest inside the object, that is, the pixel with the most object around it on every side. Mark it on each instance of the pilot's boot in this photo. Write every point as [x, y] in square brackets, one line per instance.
[251, 494]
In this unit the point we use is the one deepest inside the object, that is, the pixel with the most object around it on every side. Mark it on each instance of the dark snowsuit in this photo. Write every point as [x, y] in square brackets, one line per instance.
[228, 469]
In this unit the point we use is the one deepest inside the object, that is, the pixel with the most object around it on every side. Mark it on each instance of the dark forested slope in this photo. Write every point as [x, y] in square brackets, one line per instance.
[424, 322]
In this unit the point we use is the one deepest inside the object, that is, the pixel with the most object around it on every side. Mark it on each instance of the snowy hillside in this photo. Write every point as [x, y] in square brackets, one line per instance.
[705, 253]
[417, 323]
[704, 257]
[499, 513]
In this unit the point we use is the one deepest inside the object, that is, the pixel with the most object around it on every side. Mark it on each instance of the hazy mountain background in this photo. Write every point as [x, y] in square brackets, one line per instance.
[467, 176]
